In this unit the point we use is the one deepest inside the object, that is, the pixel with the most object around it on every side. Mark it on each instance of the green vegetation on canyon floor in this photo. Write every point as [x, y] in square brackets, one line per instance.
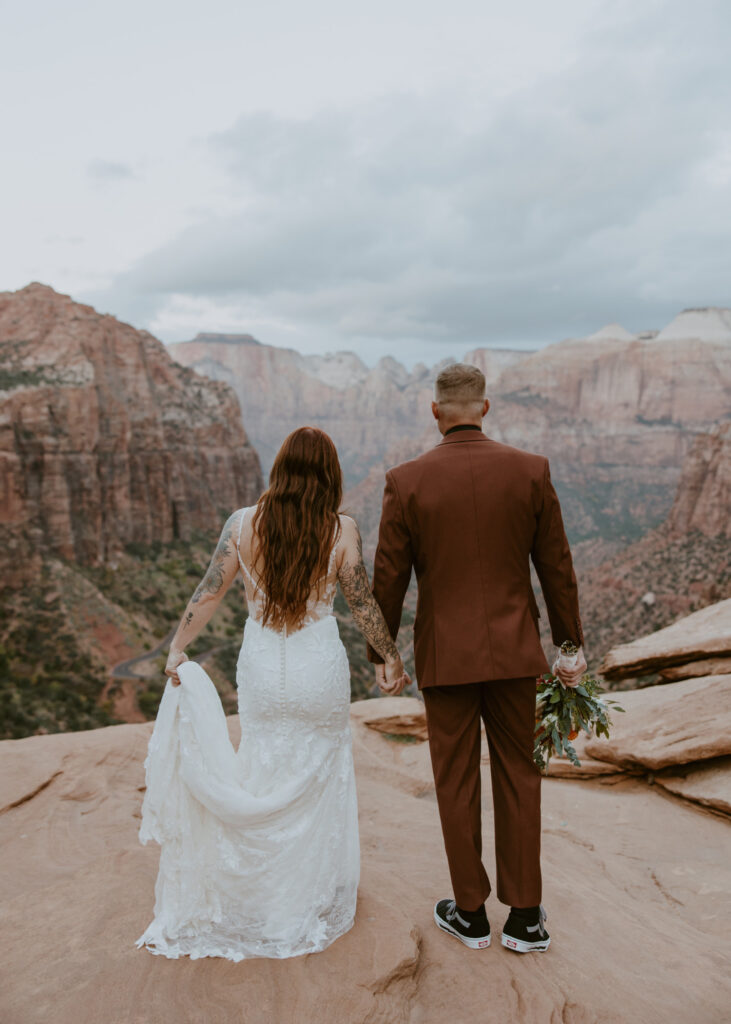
[53, 679]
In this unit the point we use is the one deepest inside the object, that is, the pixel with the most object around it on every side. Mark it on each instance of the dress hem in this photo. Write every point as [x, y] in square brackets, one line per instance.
[168, 949]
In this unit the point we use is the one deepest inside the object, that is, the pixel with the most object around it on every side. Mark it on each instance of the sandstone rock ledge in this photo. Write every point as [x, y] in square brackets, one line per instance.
[700, 636]
[636, 887]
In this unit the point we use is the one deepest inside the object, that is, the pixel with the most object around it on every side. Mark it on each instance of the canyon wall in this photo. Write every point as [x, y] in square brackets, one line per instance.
[107, 445]
[105, 440]
[365, 410]
[615, 412]
[703, 500]
[681, 566]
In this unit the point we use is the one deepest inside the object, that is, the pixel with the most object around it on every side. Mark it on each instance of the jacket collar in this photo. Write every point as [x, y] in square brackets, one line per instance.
[460, 436]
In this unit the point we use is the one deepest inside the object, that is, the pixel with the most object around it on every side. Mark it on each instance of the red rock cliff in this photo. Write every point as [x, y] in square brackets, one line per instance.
[104, 439]
[703, 501]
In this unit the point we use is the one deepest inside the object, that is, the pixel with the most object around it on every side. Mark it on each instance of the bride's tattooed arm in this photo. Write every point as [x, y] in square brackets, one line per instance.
[219, 576]
[363, 606]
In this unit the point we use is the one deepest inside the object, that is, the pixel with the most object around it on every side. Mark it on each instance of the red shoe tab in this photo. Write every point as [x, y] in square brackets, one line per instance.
[513, 944]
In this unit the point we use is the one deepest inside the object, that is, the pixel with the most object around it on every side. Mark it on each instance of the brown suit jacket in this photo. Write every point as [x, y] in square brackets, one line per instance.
[467, 516]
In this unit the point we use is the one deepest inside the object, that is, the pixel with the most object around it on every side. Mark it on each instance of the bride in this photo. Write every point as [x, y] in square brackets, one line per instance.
[259, 852]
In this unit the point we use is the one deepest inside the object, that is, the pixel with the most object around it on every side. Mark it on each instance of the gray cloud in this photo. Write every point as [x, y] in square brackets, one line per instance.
[600, 194]
[109, 170]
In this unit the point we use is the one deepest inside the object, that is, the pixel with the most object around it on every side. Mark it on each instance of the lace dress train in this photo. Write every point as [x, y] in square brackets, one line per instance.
[259, 847]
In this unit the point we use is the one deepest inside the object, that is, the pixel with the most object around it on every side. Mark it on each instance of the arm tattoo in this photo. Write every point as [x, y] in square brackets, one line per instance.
[368, 616]
[213, 579]
[195, 618]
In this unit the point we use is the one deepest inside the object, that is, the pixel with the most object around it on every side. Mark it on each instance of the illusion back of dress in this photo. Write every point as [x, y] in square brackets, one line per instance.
[322, 595]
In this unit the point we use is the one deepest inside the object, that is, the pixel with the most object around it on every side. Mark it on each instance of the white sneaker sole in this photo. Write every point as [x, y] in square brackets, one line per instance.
[471, 943]
[521, 946]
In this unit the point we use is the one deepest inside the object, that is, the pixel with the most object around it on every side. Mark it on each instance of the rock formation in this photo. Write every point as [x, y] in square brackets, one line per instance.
[683, 722]
[712, 323]
[676, 736]
[703, 498]
[365, 411]
[680, 567]
[702, 667]
[692, 638]
[615, 412]
[707, 783]
[679, 732]
[617, 415]
[105, 440]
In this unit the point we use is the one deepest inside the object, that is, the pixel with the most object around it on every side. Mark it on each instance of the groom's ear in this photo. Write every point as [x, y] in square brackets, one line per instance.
[485, 407]
[435, 410]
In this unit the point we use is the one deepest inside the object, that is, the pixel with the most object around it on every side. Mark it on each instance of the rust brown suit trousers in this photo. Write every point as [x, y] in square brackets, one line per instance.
[467, 517]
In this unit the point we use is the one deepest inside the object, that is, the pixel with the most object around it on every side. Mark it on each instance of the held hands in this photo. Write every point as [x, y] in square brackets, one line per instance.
[570, 669]
[175, 658]
[391, 677]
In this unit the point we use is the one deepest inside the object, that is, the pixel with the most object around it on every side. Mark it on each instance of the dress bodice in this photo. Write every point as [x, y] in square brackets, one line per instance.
[321, 598]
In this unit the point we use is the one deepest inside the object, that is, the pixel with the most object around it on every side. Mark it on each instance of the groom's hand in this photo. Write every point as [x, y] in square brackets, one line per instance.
[392, 679]
[380, 676]
[571, 676]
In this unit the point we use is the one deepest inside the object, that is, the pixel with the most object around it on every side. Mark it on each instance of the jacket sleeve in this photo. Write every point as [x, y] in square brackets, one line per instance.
[551, 556]
[393, 562]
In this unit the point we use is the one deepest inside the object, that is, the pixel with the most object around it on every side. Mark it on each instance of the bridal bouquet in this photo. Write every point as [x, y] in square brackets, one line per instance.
[561, 711]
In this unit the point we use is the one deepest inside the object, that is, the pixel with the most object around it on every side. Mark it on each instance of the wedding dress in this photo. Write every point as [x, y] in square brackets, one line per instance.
[259, 853]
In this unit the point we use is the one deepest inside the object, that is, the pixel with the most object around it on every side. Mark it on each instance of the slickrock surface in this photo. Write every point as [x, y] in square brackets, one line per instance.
[706, 782]
[636, 887]
[695, 637]
[405, 717]
[590, 767]
[104, 439]
[675, 723]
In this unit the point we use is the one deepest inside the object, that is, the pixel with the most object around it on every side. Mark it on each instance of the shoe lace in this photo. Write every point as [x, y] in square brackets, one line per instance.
[542, 916]
[451, 912]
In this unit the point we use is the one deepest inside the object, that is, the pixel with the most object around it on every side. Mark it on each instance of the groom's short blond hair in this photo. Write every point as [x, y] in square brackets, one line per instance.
[460, 384]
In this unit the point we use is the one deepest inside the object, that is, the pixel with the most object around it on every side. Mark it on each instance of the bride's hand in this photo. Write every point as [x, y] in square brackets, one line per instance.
[175, 658]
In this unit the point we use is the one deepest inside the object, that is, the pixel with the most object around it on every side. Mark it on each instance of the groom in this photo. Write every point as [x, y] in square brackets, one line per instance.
[467, 516]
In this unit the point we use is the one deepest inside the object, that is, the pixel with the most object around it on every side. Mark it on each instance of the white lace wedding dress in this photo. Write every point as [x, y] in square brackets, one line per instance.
[259, 847]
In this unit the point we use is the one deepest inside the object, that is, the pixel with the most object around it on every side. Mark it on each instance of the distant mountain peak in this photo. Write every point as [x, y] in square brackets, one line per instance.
[613, 332]
[39, 286]
[226, 339]
[708, 323]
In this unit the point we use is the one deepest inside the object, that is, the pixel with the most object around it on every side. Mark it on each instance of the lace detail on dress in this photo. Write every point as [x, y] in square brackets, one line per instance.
[259, 846]
[318, 605]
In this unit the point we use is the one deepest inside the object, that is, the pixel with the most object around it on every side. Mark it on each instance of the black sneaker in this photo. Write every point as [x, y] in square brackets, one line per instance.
[525, 932]
[470, 927]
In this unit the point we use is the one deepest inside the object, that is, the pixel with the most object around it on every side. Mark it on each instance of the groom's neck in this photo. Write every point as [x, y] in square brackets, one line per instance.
[463, 426]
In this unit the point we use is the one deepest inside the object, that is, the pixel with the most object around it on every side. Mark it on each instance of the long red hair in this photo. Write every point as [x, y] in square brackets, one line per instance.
[295, 522]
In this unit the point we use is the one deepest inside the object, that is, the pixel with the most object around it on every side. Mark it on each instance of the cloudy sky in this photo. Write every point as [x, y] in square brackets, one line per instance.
[403, 176]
